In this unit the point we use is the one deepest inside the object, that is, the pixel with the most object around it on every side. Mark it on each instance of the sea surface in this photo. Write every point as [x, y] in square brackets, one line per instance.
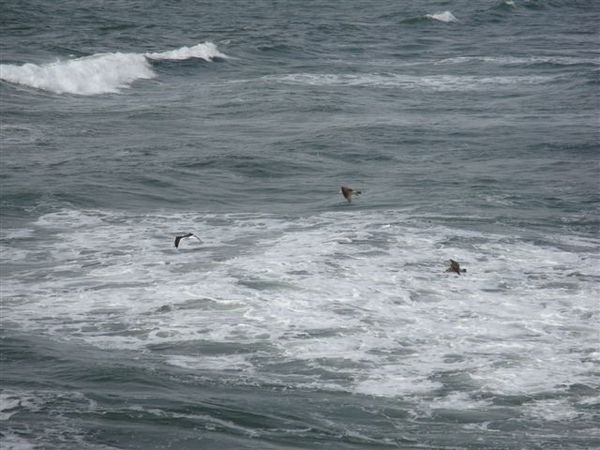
[299, 320]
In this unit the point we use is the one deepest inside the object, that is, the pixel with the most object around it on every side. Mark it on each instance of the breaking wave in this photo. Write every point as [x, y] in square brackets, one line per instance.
[101, 73]
[207, 51]
[445, 16]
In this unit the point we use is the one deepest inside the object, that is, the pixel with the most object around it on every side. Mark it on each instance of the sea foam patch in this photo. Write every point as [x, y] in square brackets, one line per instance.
[357, 301]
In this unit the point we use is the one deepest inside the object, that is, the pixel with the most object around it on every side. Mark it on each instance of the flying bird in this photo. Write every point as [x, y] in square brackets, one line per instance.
[455, 267]
[348, 192]
[185, 236]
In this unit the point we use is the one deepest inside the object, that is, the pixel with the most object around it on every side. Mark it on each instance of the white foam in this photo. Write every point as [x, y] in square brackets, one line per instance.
[100, 73]
[552, 410]
[591, 401]
[433, 83]
[458, 401]
[217, 363]
[516, 60]
[92, 75]
[445, 17]
[395, 385]
[363, 295]
[207, 51]
[15, 402]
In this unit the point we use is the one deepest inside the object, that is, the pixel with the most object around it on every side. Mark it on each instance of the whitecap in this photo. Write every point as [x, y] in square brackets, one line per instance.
[100, 73]
[207, 51]
[91, 75]
[445, 17]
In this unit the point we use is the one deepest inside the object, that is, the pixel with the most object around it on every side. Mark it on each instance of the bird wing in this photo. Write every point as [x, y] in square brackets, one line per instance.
[185, 236]
[347, 193]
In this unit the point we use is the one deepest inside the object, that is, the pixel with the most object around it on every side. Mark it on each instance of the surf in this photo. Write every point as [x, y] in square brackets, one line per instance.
[101, 73]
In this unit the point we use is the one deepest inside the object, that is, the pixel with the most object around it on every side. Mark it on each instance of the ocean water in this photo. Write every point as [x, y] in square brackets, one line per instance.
[300, 321]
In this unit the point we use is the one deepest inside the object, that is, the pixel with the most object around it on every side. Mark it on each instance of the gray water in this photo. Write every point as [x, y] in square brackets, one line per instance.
[299, 321]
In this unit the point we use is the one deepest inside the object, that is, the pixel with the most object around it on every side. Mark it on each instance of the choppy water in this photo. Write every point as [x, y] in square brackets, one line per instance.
[299, 321]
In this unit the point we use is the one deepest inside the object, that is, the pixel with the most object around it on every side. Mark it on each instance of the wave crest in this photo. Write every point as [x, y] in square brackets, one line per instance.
[445, 17]
[92, 75]
[207, 51]
[101, 73]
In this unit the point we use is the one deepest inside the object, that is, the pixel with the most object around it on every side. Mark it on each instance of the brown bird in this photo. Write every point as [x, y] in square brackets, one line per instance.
[455, 267]
[185, 236]
[348, 192]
